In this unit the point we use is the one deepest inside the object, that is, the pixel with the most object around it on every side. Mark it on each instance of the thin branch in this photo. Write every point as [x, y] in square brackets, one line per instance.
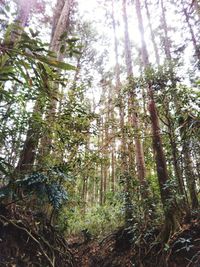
[52, 263]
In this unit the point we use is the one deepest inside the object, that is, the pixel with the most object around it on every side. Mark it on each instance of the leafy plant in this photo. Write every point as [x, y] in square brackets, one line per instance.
[183, 244]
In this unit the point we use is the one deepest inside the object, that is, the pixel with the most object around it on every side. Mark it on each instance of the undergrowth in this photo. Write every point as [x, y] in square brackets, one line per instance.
[98, 220]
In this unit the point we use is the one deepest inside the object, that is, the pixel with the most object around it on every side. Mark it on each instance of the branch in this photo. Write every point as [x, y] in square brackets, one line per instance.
[52, 262]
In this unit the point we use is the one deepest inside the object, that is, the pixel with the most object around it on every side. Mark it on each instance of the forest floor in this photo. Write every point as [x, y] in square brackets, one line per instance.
[117, 249]
[27, 241]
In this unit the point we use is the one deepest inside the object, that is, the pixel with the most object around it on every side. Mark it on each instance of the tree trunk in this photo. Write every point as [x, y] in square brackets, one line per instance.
[152, 34]
[167, 45]
[140, 164]
[124, 173]
[196, 7]
[28, 153]
[102, 166]
[112, 100]
[162, 173]
[194, 41]
[123, 152]
[161, 166]
[175, 156]
[190, 175]
[24, 8]
[60, 26]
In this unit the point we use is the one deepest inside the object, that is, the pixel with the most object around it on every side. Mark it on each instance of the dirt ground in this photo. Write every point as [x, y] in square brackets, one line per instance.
[27, 240]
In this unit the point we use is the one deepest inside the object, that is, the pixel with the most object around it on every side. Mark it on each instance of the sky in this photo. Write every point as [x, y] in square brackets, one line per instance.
[95, 11]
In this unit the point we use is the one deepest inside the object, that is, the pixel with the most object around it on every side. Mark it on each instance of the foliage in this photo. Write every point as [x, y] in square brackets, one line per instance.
[87, 128]
[97, 220]
[46, 186]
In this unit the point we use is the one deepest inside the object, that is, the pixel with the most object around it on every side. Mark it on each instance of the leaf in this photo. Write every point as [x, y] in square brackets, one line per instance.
[54, 63]
[59, 64]
[64, 35]
[4, 77]
[62, 49]
[75, 51]
[34, 34]
[8, 69]
[4, 166]
[56, 194]
[72, 40]
[2, 169]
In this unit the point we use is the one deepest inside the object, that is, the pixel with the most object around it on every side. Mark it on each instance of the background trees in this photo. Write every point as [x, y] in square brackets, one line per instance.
[106, 112]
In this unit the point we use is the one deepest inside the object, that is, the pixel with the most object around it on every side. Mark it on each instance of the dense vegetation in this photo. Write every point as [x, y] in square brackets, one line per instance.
[100, 130]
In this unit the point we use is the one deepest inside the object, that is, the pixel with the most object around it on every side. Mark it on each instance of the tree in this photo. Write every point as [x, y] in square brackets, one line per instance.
[152, 33]
[27, 158]
[121, 104]
[133, 108]
[193, 38]
[60, 27]
[162, 173]
[167, 45]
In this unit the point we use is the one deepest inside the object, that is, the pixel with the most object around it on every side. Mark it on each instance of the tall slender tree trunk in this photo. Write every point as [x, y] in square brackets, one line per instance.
[113, 160]
[193, 38]
[60, 25]
[175, 152]
[112, 99]
[153, 38]
[176, 158]
[101, 141]
[124, 165]
[190, 175]
[29, 150]
[162, 173]
[118, 89]
[167, 46]
[24, 8]
[106, 158]
[196, 5]
[85, 178]
[161, 166]
[140, 164]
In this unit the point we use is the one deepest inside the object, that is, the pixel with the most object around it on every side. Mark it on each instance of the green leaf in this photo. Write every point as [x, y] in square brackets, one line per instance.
[75, 51]
[53, 62]
[4, 166]
[7, 70]
[73, 40]
[3, 169]
[4, 77]
[56, 63]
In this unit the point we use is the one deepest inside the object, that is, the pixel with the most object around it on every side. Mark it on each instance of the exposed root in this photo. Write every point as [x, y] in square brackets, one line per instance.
[31, 243]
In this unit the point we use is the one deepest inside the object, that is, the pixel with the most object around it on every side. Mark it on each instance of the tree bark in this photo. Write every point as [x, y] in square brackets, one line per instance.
[140, 164]
[175, 156]
[152, 34]
[24, 8]
[167, 46]
[195, 3]
[190, 175]
[121, 104]
[60, 25]
[101, 140]
[124, 165]
[161, 166]
[29, 150]
[193, 38]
